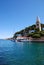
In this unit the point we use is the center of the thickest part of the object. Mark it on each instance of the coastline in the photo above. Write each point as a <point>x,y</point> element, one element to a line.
<point>36,39</point>
<point>30,39</point>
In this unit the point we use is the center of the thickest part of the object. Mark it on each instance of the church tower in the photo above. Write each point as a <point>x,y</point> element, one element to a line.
<point>38,24</point>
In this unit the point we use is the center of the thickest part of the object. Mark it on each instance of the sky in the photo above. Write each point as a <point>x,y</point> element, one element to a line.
<point>15,15</point>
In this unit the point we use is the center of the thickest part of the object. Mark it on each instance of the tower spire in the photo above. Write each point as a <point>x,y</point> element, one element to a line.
<point>38,19</point>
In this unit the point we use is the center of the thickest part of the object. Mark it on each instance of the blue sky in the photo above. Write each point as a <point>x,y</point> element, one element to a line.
<point>18,14</point>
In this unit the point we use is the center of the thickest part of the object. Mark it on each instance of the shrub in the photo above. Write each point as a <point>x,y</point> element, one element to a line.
<point>42,33</point>
<point>36,36</point>
<point>30,34</point>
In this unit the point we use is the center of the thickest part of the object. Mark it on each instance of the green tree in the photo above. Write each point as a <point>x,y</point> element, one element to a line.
<point>42,33</point>
<point>36,36</point>
<point>30,35</point>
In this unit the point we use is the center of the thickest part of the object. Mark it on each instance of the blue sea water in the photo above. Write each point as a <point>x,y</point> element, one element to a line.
<point>21,53</point>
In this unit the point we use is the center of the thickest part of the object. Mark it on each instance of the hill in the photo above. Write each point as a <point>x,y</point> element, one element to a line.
<point>30,31</point>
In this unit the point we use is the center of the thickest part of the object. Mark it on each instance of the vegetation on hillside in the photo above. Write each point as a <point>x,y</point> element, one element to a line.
<point>26,32</point>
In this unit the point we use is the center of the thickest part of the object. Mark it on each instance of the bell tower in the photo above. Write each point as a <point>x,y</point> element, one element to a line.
<point>38,24</point>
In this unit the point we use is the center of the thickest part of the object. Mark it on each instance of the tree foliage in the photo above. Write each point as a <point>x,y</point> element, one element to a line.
<point>36,36</point>
<point>25,31</point>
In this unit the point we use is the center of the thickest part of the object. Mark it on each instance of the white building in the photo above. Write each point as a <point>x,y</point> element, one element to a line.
<point>38,24</point>
<point>30,31</point>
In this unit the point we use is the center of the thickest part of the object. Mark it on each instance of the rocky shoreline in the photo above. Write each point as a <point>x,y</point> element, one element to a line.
<point>36,39</point>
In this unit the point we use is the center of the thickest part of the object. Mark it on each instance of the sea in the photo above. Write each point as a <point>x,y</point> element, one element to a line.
<point>21,53</point>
